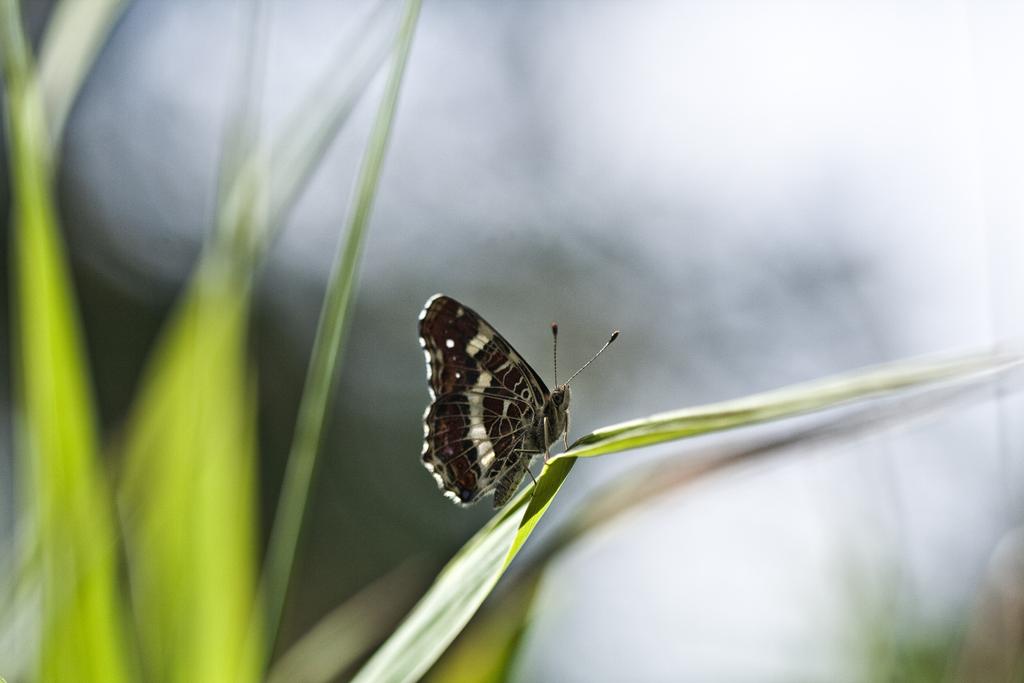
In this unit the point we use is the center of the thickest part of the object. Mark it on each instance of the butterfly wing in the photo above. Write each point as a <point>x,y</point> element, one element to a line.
<point>486,398</point>
<point>458,344</point>
<point>469,446</point>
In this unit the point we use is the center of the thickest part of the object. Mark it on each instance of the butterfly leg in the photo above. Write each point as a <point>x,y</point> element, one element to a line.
<point>527,458</point>
<point>547,441</point>
<point>533,478</point>
<point>565,434</point>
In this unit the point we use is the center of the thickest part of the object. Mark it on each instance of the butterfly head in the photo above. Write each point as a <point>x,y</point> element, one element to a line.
<point>560,397</point>
<point>556,414</point>
<point>557,410</point>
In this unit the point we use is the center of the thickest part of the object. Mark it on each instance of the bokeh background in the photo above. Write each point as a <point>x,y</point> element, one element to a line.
<point>754,193</point>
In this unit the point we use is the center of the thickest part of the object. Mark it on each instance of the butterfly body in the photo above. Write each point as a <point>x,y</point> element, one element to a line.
<point>544,431</point>
<point>491,413</point>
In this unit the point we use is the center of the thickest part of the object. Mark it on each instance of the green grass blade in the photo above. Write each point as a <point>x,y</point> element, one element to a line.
<point>75,33</point>
<point>67,506</point>
<point>453,598</point>
<point>329,338</point>
<point>652,480</point>
<point>548,484</point>
<point>187,492</point>
<point>786,402</point>
<point>486,652</point>
<point>469,577</point>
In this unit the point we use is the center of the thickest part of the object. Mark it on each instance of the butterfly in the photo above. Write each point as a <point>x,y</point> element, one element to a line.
<point>490,413</point>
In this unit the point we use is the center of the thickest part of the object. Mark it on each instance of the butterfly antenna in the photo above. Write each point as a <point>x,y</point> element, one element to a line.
<point>615,335</point>
<point>554,333</point>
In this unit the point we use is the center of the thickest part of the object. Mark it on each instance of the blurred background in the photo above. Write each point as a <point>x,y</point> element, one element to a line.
<point>756,194</point>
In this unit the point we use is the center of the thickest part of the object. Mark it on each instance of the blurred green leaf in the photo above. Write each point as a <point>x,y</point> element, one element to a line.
<point>327,344</point>
<point>470,576</point>
<point>67,509</point>
<point>75,33</point>
<point>187,492</point>
<point>346,633</point>
<point>282,169</point>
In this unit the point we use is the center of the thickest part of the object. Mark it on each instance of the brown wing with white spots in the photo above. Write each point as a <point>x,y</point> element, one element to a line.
<point>485,399</point>
<point>458,344</point>
<point>472,439</point>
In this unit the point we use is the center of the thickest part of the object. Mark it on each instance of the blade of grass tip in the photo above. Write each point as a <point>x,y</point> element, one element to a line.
<point>788,401</point>
<point>329,338</point>
<point>651,481</point>
<point>75,34</point>
<point>67,502</point>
